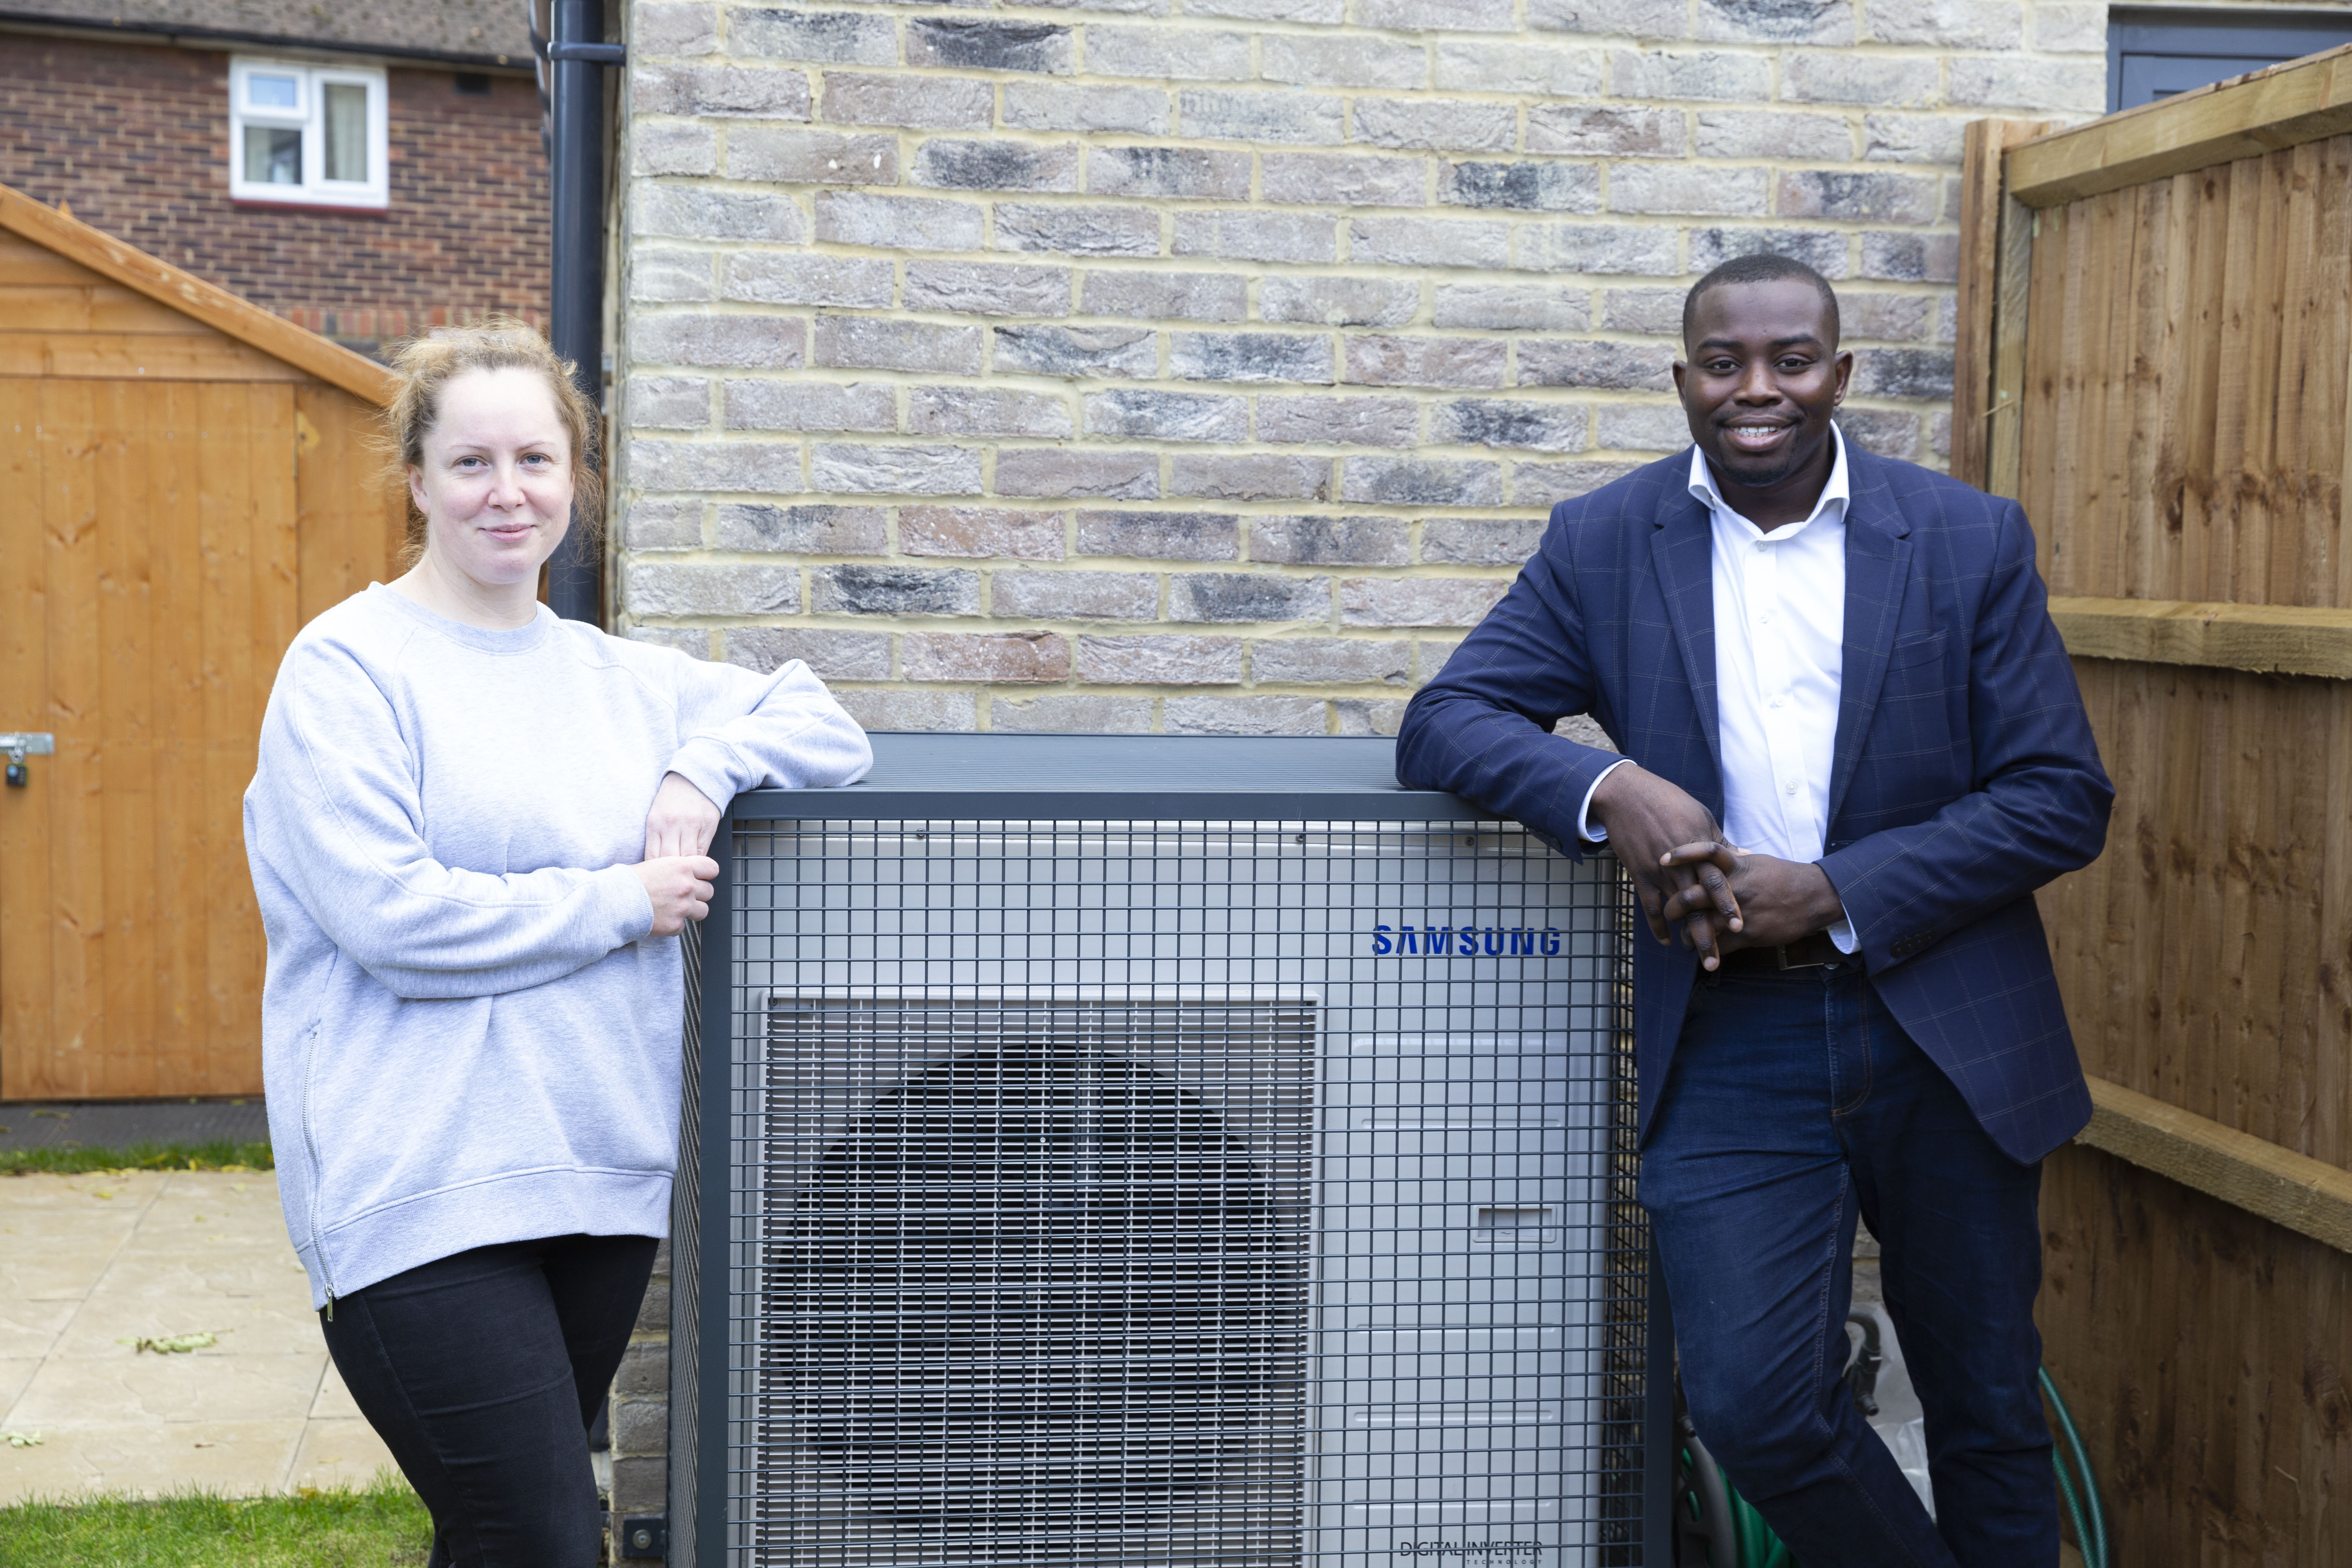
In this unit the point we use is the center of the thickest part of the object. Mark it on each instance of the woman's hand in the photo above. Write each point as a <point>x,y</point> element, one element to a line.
<point>680,887</point>
<point>681,823</point>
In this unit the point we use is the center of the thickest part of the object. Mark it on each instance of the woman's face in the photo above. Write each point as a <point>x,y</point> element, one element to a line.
<point>495,486</point>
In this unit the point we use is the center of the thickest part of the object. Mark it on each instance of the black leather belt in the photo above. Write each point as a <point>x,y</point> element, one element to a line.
<point>1805,952</point>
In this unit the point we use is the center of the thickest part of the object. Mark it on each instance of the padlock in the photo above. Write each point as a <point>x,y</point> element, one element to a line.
<point>18,774</point>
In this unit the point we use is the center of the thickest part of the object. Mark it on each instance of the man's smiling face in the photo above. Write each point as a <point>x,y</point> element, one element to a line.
<point>1763,377</point>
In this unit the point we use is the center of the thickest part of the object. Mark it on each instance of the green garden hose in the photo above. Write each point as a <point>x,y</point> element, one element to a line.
<point>2093,1541</point>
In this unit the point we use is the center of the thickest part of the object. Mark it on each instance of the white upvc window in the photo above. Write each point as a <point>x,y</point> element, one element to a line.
<point>306,135</point>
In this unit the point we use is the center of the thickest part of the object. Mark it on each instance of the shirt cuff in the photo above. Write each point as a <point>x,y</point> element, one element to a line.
<point>1584,828</point>
<point>1841,936</point>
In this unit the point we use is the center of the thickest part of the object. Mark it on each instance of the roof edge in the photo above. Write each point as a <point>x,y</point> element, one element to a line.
<point>138,31</point>
<point>184,292</point>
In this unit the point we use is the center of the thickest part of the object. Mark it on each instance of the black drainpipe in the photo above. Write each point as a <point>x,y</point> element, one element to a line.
<point>572,75</point>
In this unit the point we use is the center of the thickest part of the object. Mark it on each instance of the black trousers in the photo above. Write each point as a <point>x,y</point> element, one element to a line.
<point>482,1372</point>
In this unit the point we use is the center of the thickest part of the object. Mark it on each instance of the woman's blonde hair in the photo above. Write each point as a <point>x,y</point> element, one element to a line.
<point>426,365</point>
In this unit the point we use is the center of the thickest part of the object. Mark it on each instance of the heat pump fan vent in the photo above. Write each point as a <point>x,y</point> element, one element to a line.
<point>1035,1275</point>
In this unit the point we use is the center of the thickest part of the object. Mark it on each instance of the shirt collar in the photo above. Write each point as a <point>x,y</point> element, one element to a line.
<point>1834,494</point>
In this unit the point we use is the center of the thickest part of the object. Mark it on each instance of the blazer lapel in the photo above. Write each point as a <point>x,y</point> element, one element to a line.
<point>1682,546</point>
<point>1877,567</point>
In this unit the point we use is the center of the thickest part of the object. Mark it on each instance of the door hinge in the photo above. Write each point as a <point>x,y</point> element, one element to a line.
<point>643,1535</point>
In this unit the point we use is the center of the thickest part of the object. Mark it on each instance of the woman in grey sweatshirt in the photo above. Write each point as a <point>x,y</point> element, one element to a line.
<point>475,832</point>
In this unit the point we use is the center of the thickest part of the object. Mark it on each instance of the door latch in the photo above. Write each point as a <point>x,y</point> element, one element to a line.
<point>20,744</point>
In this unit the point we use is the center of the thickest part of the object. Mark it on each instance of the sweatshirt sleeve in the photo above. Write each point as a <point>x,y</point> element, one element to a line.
<point>335,813</point>
<point>741,730</point>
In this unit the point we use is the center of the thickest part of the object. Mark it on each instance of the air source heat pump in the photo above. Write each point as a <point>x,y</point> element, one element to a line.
<point>1114,1152</point>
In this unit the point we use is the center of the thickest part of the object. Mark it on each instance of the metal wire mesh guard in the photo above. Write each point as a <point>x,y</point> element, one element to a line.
<point>1158,1192</point>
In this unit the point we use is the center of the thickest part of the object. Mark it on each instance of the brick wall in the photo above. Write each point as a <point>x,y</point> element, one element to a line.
<point>1208,365</point>
<point>136,138</point>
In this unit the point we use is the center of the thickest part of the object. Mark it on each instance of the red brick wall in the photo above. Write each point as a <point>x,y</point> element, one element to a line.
<point>135,138</point>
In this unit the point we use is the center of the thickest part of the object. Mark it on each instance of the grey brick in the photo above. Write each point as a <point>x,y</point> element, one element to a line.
<point>758,468</point>
<point>1071,714</point>
<point>805,530</point>
<point>1948,24</point>
<point>1426,361</point>
<point>1877,82</point>
<point>980,533</point>
<point>1365,717</point>
<point>933,711</point>
<point>1772,134</point>
<point>974,44</point>
<point>896,223</point>
<point>658,588</point>
<point>1702,74</point>
<point>1902,372</point>
<point>1221,114</point>
<point>825,38</point>
<point>2070,27</point>
<point>1539,307</point>
<point>1421,481</point>
<point>1339,421</point>
<point>1342,179</point>
<point>1491,422</point>
<point>985,410</point>
<point>656,30</point>
<point>746,91</point>
<point>1642,427</point>
<point>1160,661</point>
<point>1823,250</point>
<point>638,1484</point>
<point>1596,131</point>
<point>1167,415</point>
<point>1870,198</point>
<point>1161,535</point>
<point>1939,437</point>
<point>1076,596</point>
<point>799,277</point>
<point>1911,257</point>
<point>987,288</point>
<point>1658,310</point>
<point>1078,351</point>
<point>1078,230</point>
<point>1418,601</point>
<point>1243,716</point>
<point>1079,471</point>
<point>1597,363</point>
<point>1258,235</point>
<point>797,157</point>
<point>1340,301</point>
<point>662,525</point>
<point>952,164</point>
<point>1012,657</point>
<point>1437,16</point>
<point>1054,106</point>
<point>1519,65</point>
<point>808,406</point>
<point>1160,296</point>
<point>1776,21</point>
<point>1166,54</point>
<point>1585,731</point>
<point>639,1425</point>
<point>876,343</point>
<point>1251,476</point>
<point>1640,18</point>
<point>1331,661</point>
<point>918,102</point>
<point>1886,317</point>
<point>829,655</point>
<point>2039,87</point>
<point>692,211</point>
<point>1912,138</point>
<point>1326,12</point>
<point>1437,124</point>
<point>1533,187</point>
<point>658,147</point>
<point>1212,596</point>
<point>1249,356</point>
<point>846,470</point>
<point>1597,247</point>
<point>1887,432</point>
<point>670,276</point>
<point>692,641</point>
<point>1341,60</point>
<point>892,589</point>
<point>1480,541</point>
<point>768,342</point>
<point>1685,189</point>
<point>1330,540</point>
<point>1542,484</point>
<point>645,1368</point>
<point>1189,173</point>
<point>667,402</point>
<point>1429,241</point>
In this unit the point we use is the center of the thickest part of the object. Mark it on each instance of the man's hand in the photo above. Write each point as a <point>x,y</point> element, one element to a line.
<point>681,822</point>
<point>1646,818</point>
<point>1778,900</point>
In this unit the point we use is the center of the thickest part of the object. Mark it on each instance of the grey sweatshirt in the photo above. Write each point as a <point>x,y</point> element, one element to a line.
<point>468,1034</point>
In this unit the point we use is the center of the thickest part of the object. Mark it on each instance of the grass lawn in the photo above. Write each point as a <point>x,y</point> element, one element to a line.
<point>72,1160</point>
<point>382,1527</point>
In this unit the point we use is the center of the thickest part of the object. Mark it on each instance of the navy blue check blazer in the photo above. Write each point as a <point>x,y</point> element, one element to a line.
<point>1964,777</point>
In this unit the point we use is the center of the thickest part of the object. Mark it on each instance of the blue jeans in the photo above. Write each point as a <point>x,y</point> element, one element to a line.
<point>1795,1099</point>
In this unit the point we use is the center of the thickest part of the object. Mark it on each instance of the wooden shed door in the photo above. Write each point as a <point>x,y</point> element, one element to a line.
<point>148,586</point>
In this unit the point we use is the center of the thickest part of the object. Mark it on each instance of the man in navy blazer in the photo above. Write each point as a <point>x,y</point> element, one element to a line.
<point>1850,746</point>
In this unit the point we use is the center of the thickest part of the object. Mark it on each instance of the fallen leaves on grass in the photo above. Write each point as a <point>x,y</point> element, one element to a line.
<point>174,1344</point>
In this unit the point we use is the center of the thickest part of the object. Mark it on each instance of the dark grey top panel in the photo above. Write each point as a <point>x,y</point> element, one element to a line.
<point>1132,778</point>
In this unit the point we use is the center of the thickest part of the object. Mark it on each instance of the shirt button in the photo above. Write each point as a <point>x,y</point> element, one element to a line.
<point>1775,702</point>
<point>1789,788</point>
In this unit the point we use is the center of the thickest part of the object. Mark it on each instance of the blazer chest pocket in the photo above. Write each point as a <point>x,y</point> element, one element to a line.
<point>1927,649</point>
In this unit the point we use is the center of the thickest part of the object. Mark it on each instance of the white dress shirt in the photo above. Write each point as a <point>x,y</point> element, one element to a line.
<point>1779,639</point>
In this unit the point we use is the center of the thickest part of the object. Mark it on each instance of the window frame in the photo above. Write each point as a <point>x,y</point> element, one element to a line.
<point>2238,34</point>
<point>372,195</point>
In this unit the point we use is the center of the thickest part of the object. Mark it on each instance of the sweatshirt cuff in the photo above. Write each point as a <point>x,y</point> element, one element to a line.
<point>711,766</point>
<point>622,901</point>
